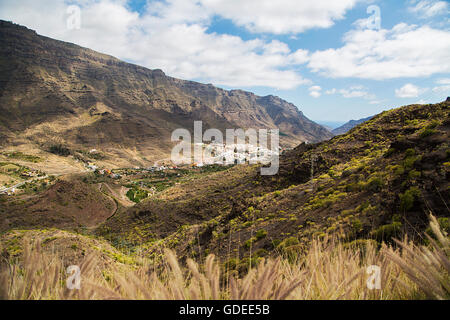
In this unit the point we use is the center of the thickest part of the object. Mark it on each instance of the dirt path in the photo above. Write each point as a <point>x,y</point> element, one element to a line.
<point>120,196</point>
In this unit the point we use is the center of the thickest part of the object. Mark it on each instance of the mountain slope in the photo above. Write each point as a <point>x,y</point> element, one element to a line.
<point>349,126</point>
<point>377,182</point>
<point>55,92</point>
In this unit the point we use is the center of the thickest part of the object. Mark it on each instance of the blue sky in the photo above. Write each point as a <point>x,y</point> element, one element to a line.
<point>336,60</point>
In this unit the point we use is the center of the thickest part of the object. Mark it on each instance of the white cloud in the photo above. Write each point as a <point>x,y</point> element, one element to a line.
<point>409,91</point>
<point>315,94</point>
<point>281,16</point>
<point>174,36</point>
<point>353,92</point>
<point>428,8</point>
<point>443,88</point>
<point>315,88</point>
<point>315,91</point>
<point>171,35</point>
<point>443,81</point>
<point>403,51</point>
<point>422,101</point>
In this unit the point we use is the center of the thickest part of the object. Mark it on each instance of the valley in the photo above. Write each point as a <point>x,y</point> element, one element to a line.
<point>86,178</point>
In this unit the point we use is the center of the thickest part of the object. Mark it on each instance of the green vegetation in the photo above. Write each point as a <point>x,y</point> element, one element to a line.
<point>60,150</point>
<point>91,155</point>
<point>261,234</point>
<point>387,232</point>
<point>136,194</point>
<point>21,156</point>
<point>374,184</point>
<point>408,198</point>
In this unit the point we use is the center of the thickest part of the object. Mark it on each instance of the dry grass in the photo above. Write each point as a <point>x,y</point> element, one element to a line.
<point>427,267</point>
<point>330,270</point>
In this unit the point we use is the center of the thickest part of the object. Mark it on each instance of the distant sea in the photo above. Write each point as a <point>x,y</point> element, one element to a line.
<point>330,124</point>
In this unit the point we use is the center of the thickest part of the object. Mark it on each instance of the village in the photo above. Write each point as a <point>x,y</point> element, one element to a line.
<point>144,180</point>
<point>213,154</point>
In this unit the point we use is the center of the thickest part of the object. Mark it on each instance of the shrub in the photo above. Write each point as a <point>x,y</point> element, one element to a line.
<point>137,195</point>
<point>357,225</point>
<point>369,210</point>
<point>399,170</point>
<point>408,198</point>
<point>414,174</point>
<point>248,243</point>
<point>409,162</point>
<point>60,150</point>
<point>261,234</point>
<point>261,253</point>
<point>410,152</point>
<point>361,244</point>
<point>374,184</point>
<point>390,152</point>
<point>352,187</point>
<point>288,242</point>
<point>427,132</point>
<point>231,264</point>
<point>387,232</point>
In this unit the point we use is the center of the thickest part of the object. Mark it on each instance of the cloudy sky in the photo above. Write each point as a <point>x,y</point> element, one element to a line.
<point>336,60</point>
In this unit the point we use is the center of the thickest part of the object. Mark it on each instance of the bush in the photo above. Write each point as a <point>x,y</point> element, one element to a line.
<point>409,162</point>
<point>390,152</point>
<point>387,232</point>
<point>261,253</point>
<point>410,152</point>
<point>427,132</point>
<point>288,242</point>
<point>261,234</point>
<point>361,244</point>
<point>60,150</point>
<point>357,225</point>
<point>231,264</point>
<point>408,198</point>
<point>399,170</point>
<point>414,174</point>
<point>374,184</point>
<point>249,242</point>
<point>137,195</point>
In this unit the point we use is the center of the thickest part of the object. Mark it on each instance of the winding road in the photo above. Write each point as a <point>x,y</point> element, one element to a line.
<point>22,183</point>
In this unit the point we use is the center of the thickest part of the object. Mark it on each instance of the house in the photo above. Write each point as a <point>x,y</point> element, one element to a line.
<point>92,167</point>
<point>11,191</point>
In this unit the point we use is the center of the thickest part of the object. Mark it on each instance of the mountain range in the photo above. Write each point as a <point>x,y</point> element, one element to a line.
<point>57,93</point>
<point>349,125</point>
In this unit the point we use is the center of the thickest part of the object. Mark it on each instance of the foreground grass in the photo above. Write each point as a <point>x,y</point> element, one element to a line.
<point>329,270</point>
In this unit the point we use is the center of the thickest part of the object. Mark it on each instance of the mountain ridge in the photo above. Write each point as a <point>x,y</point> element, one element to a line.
<point>50,88</point>
<point>349,125</point>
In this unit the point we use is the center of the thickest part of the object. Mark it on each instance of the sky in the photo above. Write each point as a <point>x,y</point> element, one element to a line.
<point>335,60</point>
